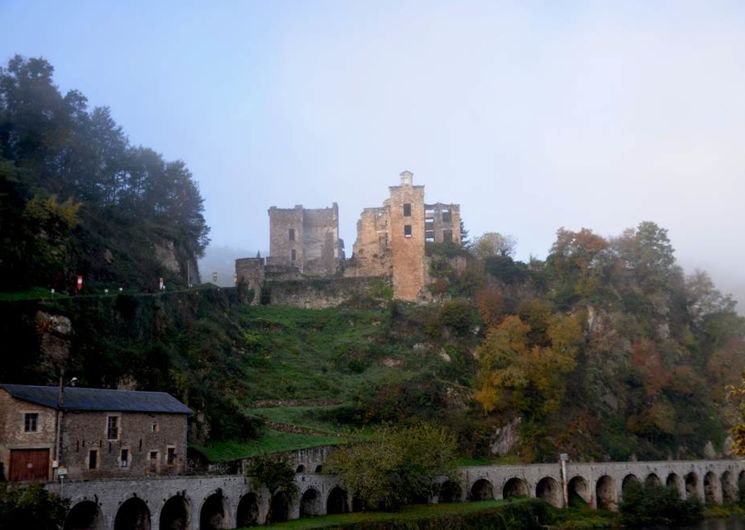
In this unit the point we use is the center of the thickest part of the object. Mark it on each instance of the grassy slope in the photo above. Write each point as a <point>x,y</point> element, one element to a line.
<point>296,355</point>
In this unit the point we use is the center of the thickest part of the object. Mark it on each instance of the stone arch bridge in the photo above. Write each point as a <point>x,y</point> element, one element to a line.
<point>217,502</point>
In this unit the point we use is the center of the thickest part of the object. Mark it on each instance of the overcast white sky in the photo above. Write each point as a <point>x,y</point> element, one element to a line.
<point>531,115</point>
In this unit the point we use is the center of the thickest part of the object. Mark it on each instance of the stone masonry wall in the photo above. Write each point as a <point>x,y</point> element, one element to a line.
<point>12,435</point>
<point>305,238</point>
<point>251,272</point>
<point>407,249</point>
<point>281,221</point>
<point>317,293</point>
<point>139,433</point>
<point>372,253</point>
<point>440,219</point>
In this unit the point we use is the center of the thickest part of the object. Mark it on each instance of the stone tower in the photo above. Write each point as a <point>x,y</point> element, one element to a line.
<point>406,233</point>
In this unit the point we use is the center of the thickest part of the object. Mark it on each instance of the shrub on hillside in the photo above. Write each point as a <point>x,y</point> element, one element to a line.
<point>657,505</point>
<point>30,507</point>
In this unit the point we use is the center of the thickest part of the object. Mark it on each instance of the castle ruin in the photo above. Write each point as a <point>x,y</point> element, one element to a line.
<point>390,246</point>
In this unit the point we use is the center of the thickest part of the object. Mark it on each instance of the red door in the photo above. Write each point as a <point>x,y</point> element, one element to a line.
<point>29,464</point>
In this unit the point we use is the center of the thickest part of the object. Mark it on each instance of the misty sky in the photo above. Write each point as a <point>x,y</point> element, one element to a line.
<point>531,115</point>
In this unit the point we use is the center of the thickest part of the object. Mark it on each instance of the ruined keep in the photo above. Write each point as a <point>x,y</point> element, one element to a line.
<point>306,239</point>
<point>390,246</point>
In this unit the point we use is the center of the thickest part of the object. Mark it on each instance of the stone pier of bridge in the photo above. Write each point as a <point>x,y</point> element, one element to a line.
<point>230,501</point>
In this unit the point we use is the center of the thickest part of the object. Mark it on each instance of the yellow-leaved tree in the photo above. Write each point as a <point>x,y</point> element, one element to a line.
<point>520,370</point>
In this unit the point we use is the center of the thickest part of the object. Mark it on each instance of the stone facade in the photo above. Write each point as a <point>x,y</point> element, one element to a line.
<point>95,443</point>
<point>14,436</point>
<point>305,238</point>
<point>390,244</point>
<point>145,444</point>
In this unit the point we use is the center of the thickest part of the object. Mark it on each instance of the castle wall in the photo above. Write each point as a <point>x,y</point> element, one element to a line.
<point>286,234</point>
<point>251,272</point>
<point>372,253</point>
<point>305,238</point>
<point>318,293</point>
<point>442,223</point>
<point>320,240</point>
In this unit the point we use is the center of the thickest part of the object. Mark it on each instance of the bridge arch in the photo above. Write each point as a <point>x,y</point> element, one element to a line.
<point>279,508</point>
<point>310,503</point>
<point>214,512</point>
<point>652,480</point>
<point>712,492</point>
<point>482,490</point>
<point>85,515</point>
<point>674,481</point>
<point>691,485</point>
<point>605,493</point>
<point>515,487</point>
<point>450,491</point>
<point>729,492</point>
<point>133,514</point>
<point>549,490</point>
<point>337,501</point>
<point>628,481</point>
<point>578,487</point>
<point>175,514</point>
<point>247,513</point>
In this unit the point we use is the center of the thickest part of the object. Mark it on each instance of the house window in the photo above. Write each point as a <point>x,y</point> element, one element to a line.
<point>171,456</point>
<point>31,422</point>
<point>293,254</point>
<point>292,234</point>
<point>93,459</point>
<point>153,460</point>
<point>154,427</point>
<point>407,210</point>
<point>447,236</point>
<point>447,216</point>
<point>407,230</point>
<point>112,428</point>
<point>124,458</point>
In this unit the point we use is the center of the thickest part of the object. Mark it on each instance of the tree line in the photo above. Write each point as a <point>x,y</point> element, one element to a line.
<point>77,198</point>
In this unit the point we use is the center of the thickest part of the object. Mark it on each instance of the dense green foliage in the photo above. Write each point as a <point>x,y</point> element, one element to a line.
<point>77,198</point>
<point>182,343</point>
<point>273,472</point>
<point>648,376</point>
<point>650,504</point>
<point>398,467</point>
<point>30,507</point>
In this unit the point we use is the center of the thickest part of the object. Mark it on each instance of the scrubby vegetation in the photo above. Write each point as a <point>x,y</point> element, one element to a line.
<point>30,507</point>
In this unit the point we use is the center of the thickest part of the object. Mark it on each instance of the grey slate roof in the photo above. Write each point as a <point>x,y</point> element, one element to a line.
<point>99,399</point>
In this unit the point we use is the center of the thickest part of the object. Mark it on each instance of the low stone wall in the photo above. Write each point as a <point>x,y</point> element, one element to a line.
<point>319,293</point>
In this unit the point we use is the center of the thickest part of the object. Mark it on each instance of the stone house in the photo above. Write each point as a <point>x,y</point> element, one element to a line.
<point>97,433</point>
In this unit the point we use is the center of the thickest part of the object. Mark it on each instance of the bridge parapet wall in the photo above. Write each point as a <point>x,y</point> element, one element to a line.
<point>231,501</point>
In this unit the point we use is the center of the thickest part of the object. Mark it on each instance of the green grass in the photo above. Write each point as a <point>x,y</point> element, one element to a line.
<point>270,442</point>
<point>302,417</point>
<point>327,354</point>
<point>408,513</point>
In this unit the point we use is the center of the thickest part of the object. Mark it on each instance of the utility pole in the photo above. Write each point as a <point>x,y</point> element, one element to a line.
<point>564,485</point>
<point>59,418</point>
